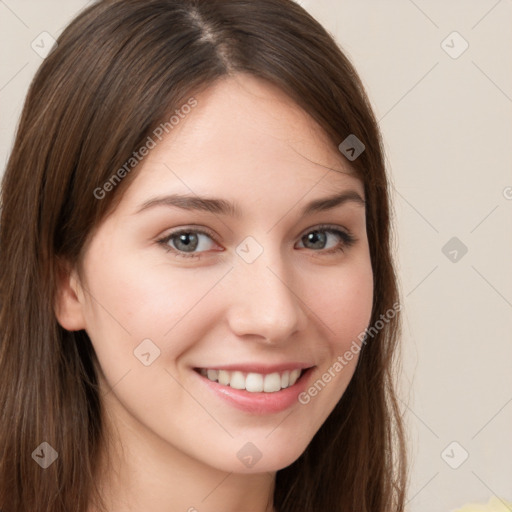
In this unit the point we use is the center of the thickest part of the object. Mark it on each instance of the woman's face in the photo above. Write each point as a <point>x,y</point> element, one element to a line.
<point>170,289</point>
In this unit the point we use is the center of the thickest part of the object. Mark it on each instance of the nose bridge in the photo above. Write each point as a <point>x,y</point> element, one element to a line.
<point>265,302</point>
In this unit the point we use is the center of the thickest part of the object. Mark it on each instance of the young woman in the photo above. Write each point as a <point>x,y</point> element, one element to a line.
<point>199,310</point>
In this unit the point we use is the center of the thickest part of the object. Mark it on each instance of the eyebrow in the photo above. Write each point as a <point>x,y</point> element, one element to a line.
<point>224,207</point>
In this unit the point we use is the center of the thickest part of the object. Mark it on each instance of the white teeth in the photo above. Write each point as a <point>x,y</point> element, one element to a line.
<point>253,382</point>
<point>237,380</point>
<point>294,375</point>
<point>272,382</point>
<point>224,377</point>
<point>212,374</point>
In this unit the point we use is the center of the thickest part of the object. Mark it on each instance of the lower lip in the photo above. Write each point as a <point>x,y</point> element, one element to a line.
<point>259,403</point>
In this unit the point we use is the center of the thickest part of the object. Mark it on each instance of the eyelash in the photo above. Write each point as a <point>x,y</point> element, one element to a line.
<point>348,240</point>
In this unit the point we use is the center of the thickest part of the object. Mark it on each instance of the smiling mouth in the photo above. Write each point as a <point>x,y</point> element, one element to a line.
<point>253,382</point>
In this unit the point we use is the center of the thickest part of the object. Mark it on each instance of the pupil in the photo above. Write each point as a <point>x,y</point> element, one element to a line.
<point>315,236</point>
<point>188,244</point>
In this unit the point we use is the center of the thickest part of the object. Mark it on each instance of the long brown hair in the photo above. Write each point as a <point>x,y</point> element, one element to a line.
<point>117,71</point>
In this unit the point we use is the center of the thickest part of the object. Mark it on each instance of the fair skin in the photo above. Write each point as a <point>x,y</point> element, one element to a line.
<point>248,143</point>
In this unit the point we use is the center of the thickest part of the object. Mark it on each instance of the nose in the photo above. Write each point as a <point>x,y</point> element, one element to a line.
<point>264,301</point>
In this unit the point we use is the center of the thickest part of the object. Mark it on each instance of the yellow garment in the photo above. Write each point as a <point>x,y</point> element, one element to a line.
<point>495,505</point>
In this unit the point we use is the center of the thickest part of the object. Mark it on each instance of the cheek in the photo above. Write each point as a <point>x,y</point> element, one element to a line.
<point>136,300</point>
<point>346,305</point>
<point>343,301</point>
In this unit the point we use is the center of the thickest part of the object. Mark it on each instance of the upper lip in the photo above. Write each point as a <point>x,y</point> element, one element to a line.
<point>258,368</point>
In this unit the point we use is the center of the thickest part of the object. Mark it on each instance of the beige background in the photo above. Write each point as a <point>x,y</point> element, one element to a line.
<point>447,127</point>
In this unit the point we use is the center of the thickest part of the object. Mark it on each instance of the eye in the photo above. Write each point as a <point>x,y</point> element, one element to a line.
<point>319,239</point>
<point>184,242</point>
<point>190,243</point>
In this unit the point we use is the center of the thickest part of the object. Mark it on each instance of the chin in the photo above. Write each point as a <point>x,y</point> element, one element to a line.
<point>266,455</point>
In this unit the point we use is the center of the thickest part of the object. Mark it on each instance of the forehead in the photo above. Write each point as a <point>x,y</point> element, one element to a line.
<point>247,137</point>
